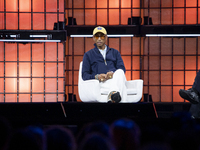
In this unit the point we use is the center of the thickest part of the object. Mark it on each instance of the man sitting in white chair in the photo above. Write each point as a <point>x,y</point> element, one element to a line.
<point>106,65</point>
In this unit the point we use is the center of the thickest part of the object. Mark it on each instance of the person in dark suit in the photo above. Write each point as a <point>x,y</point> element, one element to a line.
<point>193,96</point>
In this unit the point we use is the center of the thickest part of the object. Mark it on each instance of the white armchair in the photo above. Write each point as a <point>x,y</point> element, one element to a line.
<point>90,91</point>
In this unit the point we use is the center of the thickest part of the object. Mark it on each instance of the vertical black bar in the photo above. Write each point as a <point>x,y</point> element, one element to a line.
<point>72,56</point>
<point>18,12</point>
<point>172,68</point>
<point>160,42</point>
<point>120,9</point>
<point>107,12</point>
<point>172,12</point>
<point>148,7</point>
<point>148,65</point>
<point>160,12</point>
<point>31,85</point>
<point>4,87</point>
<point>57,14</point>
<point>197,54</point>
<point>17,72</point>
<point>4,14</point>
<point>184,65</point>
<point>57,71</point>
<point>68,66</point>
<point>72,11</point>
<point>45,13</point>
<point>197,12</point>
<point>44,71</point>
<point>148,53</point>
<point>84,12</point>
<point>141,57</point>
<point>31,14</point>
<point>64,53</point>
<point>131,50</point>
<point>172,50</point>
<point>184,12</point>
<point>160,57</point>
<point>64,10</point>
<point>131,9</point>
<point>72,68</point>
<point>131,57</point>
<point>95,12</point>
<point>58,10</point>
<point>141,7</point>
<point>64,47</point>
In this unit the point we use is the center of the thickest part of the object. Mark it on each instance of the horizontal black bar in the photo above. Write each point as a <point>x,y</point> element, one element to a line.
<point>117,29</point>
<point>26,34</point>
<point>170,29</point>
<point>136,30</point>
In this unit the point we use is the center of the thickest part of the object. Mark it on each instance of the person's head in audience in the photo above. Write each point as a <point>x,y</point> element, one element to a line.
<point>29,138</point>
<point>100,127</point>
<point>60,138</point>
<point>125,134</point>
<point>95,141</point>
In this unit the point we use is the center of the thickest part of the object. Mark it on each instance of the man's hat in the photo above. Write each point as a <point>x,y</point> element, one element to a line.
<point>99,29</point>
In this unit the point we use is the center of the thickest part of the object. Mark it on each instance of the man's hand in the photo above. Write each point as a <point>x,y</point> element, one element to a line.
<point>109,75</point>
<point>102,77</point>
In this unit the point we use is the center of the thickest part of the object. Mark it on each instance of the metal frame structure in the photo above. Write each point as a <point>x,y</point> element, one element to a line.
<point>32,36</point>
<point>160,30</point>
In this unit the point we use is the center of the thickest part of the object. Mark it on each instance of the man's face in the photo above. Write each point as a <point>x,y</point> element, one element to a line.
<point>100,39</point>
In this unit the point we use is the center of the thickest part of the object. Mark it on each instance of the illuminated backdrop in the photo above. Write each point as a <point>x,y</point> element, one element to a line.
<point>36,71</point>
<point>165,64</point>
<point>31,72</point>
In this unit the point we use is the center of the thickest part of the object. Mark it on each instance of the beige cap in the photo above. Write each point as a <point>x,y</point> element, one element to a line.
<point>99,29</point>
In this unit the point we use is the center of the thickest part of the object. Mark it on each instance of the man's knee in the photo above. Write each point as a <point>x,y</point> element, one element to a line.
<point>119,72</point>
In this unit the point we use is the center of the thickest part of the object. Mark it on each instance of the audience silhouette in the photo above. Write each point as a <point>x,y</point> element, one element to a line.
<point>181,133</point>
<point>125,134</point>
<point>99,127</point>
<point>31,138</point>
<point>96,141</point>
<point>60,138</point>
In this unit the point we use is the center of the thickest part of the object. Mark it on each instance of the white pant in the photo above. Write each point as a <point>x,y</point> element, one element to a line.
<point>117,83</point>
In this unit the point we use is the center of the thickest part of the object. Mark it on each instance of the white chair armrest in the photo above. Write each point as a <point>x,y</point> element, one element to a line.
<point>134,83</point>
<point>89,91</point>
<point>138,85</point>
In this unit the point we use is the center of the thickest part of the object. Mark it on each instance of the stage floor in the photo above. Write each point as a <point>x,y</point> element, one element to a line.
<point>77,113</point>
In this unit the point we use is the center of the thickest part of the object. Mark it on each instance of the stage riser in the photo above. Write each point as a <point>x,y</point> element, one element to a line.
<point>75,113</point>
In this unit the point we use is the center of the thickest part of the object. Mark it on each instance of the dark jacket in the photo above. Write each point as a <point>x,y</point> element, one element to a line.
<point>93,62</point>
